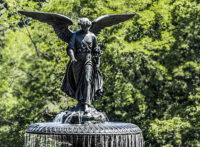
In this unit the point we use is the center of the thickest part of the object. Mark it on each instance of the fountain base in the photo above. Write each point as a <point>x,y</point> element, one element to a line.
<point>108,134</point>
<point>83,129</point>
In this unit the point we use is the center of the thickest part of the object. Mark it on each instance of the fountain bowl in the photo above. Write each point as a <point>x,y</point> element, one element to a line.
<point>108,134</point>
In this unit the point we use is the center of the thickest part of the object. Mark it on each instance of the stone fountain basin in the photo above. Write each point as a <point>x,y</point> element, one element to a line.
<point>100,134</point>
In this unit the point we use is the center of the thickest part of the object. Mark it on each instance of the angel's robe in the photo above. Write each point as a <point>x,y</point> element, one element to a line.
<point>82,81</point>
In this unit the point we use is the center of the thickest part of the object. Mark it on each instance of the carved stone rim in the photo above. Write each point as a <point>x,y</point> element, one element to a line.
<point>107,128</point>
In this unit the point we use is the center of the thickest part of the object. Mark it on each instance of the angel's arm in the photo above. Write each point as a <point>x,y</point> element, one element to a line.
<point>96,52</point>
<point>71,48</point>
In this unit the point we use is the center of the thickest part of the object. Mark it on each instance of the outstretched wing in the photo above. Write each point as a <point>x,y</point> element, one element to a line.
<point>59,22</point>
<point>109,20</point>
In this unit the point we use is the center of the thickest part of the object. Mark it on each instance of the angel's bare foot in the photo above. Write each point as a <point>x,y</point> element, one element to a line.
<point>86,108</point>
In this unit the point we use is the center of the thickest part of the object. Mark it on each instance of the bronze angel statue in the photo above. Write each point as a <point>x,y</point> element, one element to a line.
<point>83,80</point>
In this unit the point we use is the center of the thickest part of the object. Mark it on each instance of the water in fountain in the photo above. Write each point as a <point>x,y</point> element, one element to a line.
<point>40,140</point>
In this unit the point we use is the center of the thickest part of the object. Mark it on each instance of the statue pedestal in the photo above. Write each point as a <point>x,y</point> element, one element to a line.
<point>78,116</point>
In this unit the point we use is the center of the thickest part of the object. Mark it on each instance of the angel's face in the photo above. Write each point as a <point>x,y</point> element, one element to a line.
<point>84,28</point>
<point>85,24</point>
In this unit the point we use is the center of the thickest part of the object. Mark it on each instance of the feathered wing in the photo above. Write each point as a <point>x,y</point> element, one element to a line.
<point>109,20</point>
<point>59,22</point>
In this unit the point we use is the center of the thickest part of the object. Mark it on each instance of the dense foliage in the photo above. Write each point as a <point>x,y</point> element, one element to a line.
<point>151,67</point>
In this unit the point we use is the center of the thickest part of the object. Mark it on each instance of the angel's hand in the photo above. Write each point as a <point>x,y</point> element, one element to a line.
<point>73,60</point>
<point>96,68</point>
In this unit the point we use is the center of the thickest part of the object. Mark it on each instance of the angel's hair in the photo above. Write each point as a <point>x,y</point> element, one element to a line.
<point>84,22</point>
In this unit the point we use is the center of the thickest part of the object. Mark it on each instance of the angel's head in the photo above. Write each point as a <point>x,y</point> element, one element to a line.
<point>85,23</point>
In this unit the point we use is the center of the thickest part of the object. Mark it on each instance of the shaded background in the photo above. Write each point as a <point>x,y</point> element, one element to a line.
<point>150,64</point>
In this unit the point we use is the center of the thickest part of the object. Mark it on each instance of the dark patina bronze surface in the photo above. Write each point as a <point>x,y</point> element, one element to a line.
<point>83,80</point>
